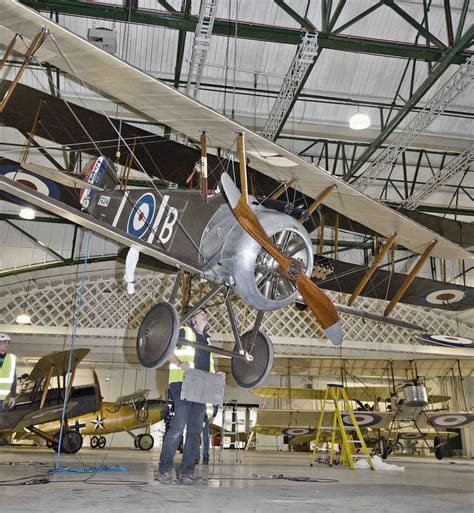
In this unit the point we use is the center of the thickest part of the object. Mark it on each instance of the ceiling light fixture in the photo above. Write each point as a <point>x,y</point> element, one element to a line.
<point>359,121</point>
<point>27,213</point>
<point>24,318</point>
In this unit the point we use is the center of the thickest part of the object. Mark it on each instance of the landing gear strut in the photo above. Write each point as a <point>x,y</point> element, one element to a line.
<point>158,336</point>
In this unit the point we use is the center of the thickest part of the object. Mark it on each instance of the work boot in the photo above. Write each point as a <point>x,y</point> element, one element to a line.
<point>205,461</point>
<point>193,479</point>
<point>196,461</point>
<point>165,477</point>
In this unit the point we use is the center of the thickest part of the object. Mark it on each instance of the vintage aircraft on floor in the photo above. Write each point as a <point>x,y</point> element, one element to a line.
<point>127,413</point>
<point>406,417</point>
<point>40,401</point>
<point>259,249</point>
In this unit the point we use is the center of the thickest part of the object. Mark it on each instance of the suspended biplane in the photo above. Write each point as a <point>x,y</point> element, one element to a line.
<point>48,395</point>
<point>126,414</point>
<point>260,249</point>
<point>405,418</point>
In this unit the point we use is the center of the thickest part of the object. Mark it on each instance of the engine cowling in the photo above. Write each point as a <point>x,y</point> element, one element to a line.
<point>246,267</point>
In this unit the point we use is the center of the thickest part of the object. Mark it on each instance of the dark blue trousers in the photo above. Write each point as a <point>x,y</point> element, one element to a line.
<point>189,415</point>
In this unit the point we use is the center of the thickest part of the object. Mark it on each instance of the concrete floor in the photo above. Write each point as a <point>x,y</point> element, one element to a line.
<point>426,485</point>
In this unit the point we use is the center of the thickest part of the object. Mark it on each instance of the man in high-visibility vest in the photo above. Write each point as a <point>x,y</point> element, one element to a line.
<point>7,372</point>
<point>187,414</point>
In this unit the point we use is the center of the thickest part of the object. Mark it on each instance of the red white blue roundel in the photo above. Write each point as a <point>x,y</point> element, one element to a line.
<point>441,297</point>
<point>445,340</point>
<point>35,182</point>
<point>362,419</point>
<point>296,431</point>
<point>446,420</point>
<point>410,436</point>
<point>141,215</point>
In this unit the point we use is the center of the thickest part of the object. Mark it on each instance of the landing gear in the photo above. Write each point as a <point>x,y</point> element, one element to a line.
<point>98,442</point>
<point>253,372</point>
<point>70,444</point>
<point>158,335</point>
<point>438,447</point>
<point>383,448</point>
<point>144,442</point>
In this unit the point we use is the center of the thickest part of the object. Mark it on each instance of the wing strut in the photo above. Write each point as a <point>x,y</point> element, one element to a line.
<point>36,43</point>
<point>9,51</point>
<point>321,197</point>
<point>372,269</point>
<point>409,278</point>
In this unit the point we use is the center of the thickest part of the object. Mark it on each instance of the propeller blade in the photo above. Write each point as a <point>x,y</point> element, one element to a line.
<point>321,306</point>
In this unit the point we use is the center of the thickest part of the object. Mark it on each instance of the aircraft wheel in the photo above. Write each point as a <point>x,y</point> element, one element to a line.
<point>94,442</point>
<point>438,448</point>
<point>70,443</point>
<point>254,373</point>
<point>145,442</point>
<point>101,442</point>
<point>135,442</point>
<point>383,448</point>
<point>157,335</point>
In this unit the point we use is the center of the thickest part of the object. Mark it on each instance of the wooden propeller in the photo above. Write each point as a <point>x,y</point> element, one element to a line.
<point>321,306</point>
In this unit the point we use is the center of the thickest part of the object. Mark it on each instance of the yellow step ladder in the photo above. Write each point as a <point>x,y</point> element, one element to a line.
<point>337,394</point>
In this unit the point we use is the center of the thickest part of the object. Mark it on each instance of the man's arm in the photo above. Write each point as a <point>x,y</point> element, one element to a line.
<point>12,398</point>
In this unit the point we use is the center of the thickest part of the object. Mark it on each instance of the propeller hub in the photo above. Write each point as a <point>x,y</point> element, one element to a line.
<point>295,269</point>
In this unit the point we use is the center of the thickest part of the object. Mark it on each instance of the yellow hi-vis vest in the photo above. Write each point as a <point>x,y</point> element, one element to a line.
<point>185,354</point>
<point>7,375</point>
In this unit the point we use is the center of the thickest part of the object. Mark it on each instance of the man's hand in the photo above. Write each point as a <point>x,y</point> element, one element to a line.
<point>184,366</point>
<point>11,402</point>
<point>220,373</point>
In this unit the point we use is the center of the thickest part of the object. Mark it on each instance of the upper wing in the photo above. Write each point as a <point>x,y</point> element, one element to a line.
<point>86,221</point>
<point>59,361</point>
<point>158,101</point>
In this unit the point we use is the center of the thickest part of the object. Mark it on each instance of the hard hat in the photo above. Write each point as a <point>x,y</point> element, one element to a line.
<point>5,338</point>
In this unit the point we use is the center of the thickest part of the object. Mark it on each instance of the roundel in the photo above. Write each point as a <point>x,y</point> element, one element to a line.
<point>445,340</point>
<point>410,436</point>
<point>297,431</point>
<point>37,183</point>
<point>451,419</point>
<point>441,297</point>
<point>362,419</point>
<point>141,215</point>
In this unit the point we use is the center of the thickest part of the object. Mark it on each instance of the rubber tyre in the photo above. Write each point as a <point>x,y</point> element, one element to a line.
<point>253,374</point>
<point>145,442</point>
<point>94,442</point>
<point>438,448</point>
<point>157,335</point>
<point>383,448</point>
<point>101,442</point>
<point>71,442</point>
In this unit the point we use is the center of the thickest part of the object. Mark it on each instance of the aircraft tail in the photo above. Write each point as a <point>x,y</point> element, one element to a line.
<point>101,173</point>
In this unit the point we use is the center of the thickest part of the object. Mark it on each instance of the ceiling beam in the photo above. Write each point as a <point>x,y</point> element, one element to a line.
<point>247,30</point>
<point>437,73</point>
<point>304,22</point>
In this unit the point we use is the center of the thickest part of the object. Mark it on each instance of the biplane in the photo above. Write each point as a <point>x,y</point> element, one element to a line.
<point>405,417</point>
<point>48,395</point>
<point>258,248</point>
<point>126,414</point>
